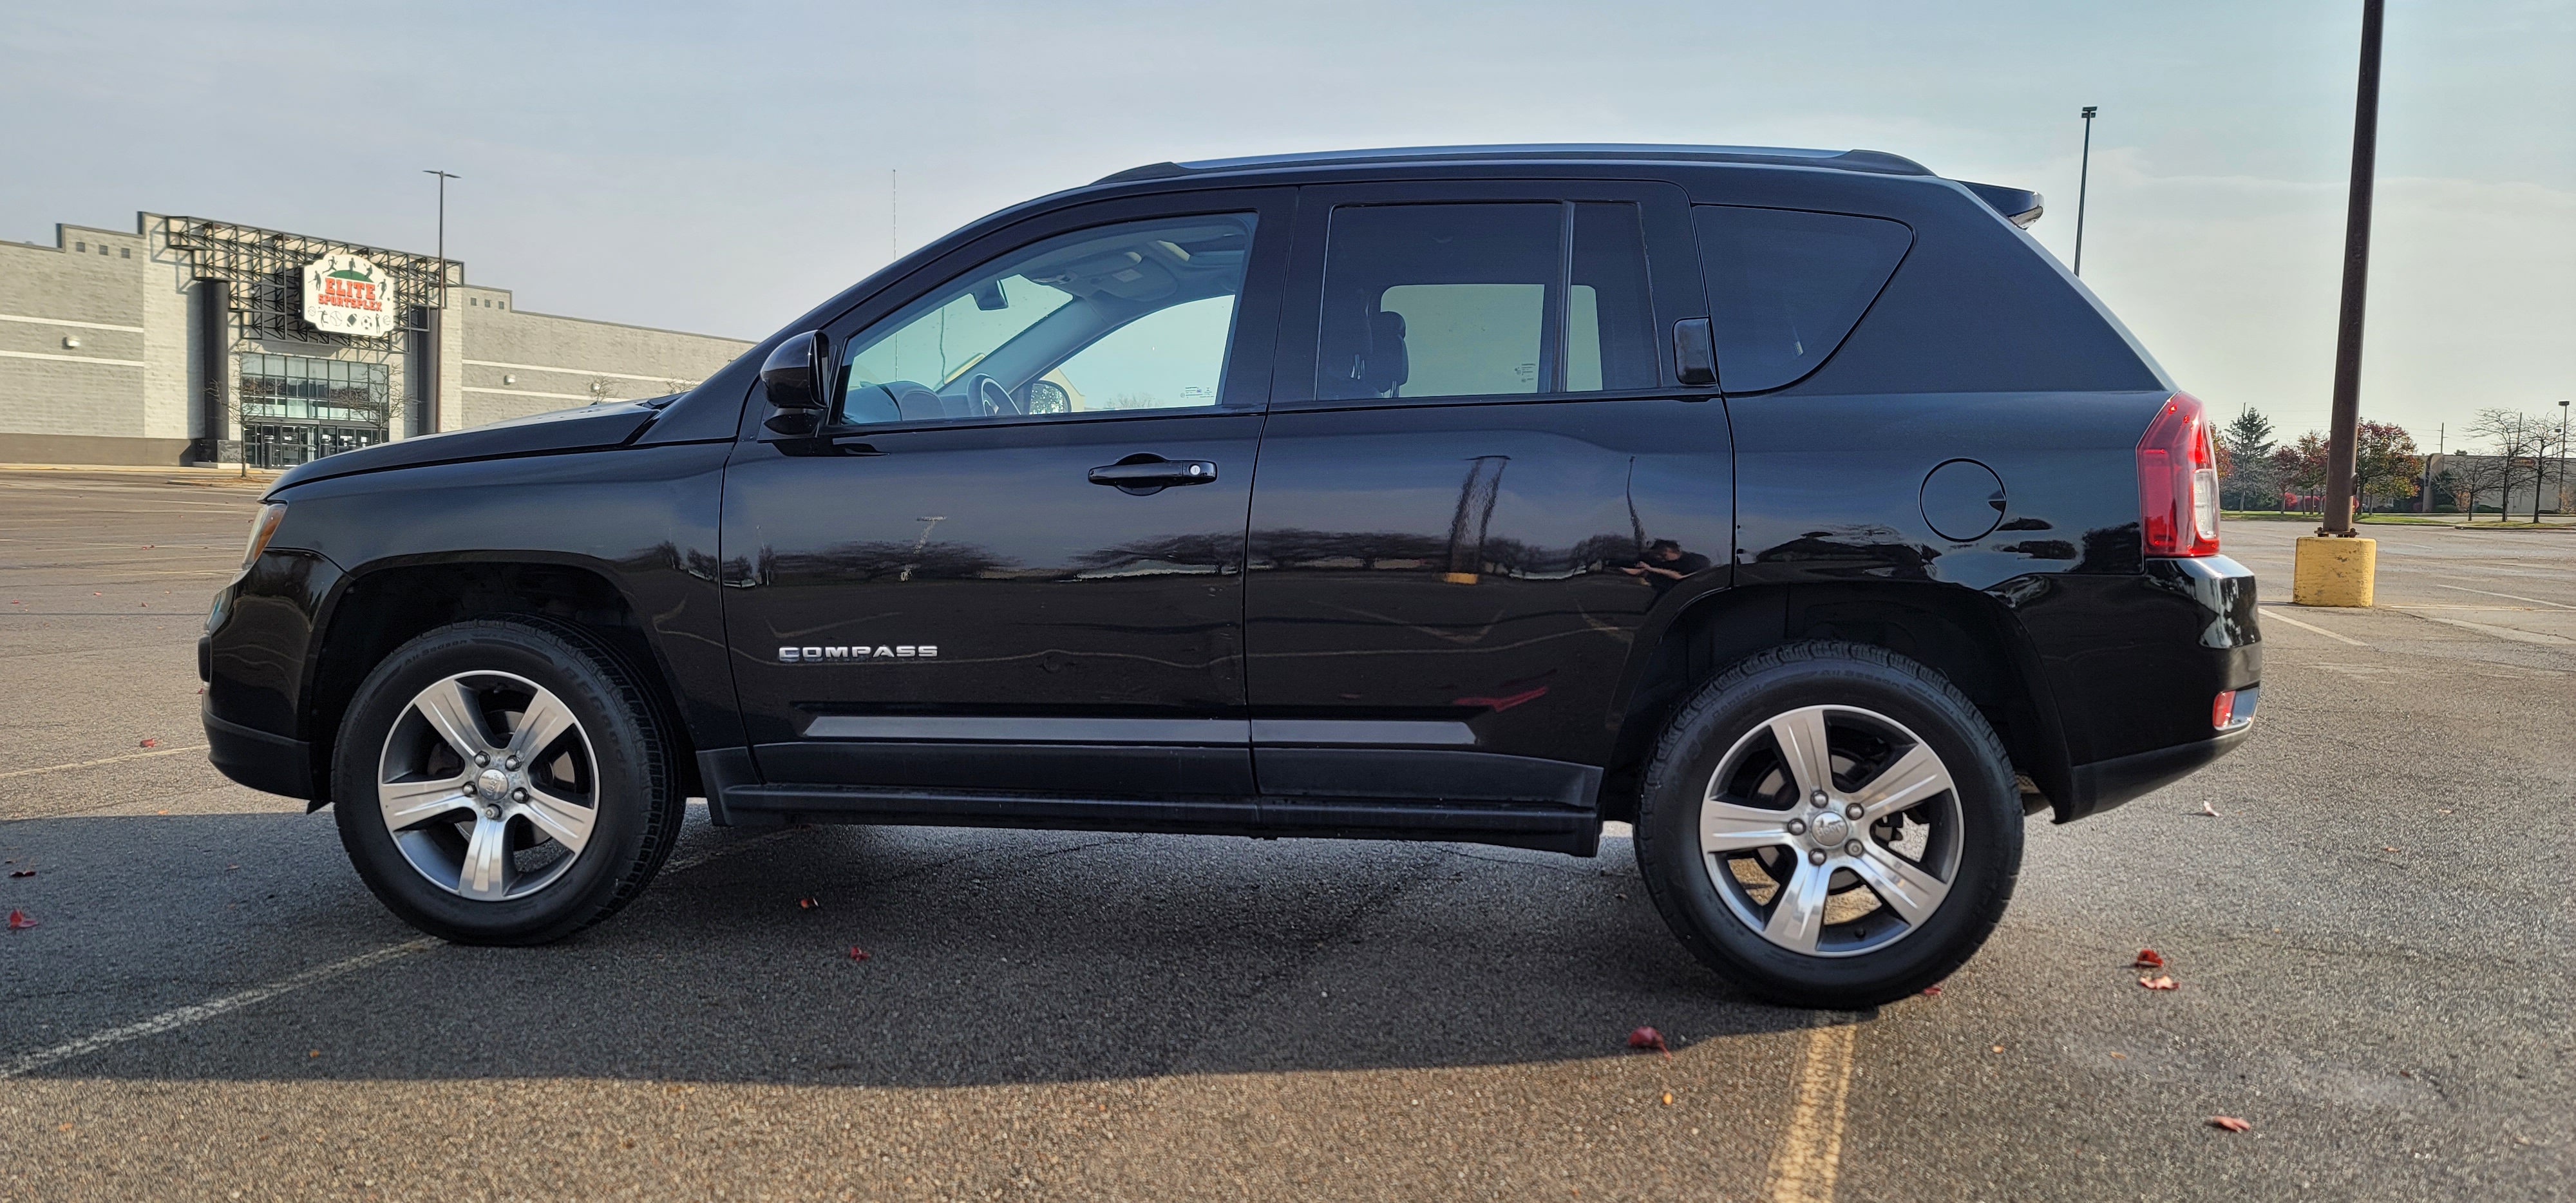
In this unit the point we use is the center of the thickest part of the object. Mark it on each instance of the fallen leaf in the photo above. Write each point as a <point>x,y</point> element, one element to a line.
<point>2386,848</point>
<point>2158,982</point>
<point>151,743</point>
<point>62,1127</point>
<point>857,953</point>
<point>806,904</point>
<point>1668,1098</point>
<point>1996,1049</point>
<point>2148,958</point>
<point>23,873</point>
<point>2209,812</point>
<point>313,1053</point>
<point>18,921</point>
<point>2229,1122</point>
<point>2119,1056</point>
<point>1649,1038</point>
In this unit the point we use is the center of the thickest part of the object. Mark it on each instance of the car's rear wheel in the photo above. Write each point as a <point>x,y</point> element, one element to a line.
<point>504,781</point>
<point>1831,825</point>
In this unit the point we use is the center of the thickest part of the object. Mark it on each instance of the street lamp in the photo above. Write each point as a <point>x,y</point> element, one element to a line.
<point>2083,182</point>
<point>2562,458</point>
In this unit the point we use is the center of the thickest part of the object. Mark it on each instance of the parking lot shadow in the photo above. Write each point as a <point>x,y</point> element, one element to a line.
<point>861,956</point>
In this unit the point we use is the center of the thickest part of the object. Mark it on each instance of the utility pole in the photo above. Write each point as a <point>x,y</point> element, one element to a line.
<point>2083,184</point>
<point>2325,574</point>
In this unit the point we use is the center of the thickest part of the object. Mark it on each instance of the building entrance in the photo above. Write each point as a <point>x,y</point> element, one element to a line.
<point>296,408</point>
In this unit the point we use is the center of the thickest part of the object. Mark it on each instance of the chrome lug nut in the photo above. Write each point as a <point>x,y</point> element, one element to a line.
<point>1797,827</point>
<point>511,763</point>
<point>1821,800</point>
<point>1816,857</point>
<point>518,795</point>
<point>480,759</point>
<point>1854,811</point>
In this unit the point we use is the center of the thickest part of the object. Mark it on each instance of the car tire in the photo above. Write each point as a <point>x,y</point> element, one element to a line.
<point>573,808</point>
<point>1914,844</point>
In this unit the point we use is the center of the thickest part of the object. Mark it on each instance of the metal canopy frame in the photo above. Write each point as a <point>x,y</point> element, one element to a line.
<point>264,298</point>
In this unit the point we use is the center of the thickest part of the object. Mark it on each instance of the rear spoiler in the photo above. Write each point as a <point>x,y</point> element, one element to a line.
<point>2018,207</point>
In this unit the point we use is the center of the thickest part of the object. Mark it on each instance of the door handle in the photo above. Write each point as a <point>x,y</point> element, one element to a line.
<point>1146,473</point>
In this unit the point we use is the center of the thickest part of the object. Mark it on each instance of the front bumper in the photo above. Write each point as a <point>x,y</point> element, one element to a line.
<point>271,763</point>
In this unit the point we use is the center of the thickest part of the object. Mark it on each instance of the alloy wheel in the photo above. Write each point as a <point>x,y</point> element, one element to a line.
<point>1831,830</point>
<point>488,786</point>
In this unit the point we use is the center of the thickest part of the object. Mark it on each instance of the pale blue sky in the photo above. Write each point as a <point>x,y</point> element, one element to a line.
<point>721,168</point>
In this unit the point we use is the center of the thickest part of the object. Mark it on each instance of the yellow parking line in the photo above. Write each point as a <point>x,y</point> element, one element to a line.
<point>1805,1164</point>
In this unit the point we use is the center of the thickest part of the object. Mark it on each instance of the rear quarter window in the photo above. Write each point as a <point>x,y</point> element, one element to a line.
<point>1785,287</point>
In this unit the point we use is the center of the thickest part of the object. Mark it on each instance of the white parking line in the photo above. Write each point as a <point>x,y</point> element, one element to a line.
<point>201,1012</point>
<point>84,764</point>
<point>2274,612</point>
<point>1809,1158</point>
<point>2511,596</point>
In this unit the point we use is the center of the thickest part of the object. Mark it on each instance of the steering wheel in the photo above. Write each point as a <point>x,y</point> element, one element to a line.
<point>990,397</point>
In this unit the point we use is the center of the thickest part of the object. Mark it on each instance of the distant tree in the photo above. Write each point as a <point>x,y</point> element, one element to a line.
<point>2301,469</point>
<point>2447,488</point>
<point>2524,443</point>
<point>2476,476</point>
<point>2245,449</point>
<point>2385,464</point>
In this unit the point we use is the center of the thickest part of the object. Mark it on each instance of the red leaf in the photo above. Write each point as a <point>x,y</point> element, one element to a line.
<point>18,921</point>
<point>2229,1122</point>
<point>857,953</point>
<point>2158,982</point>
<point>1648,1038</point>
<point>2147,959</point>
<point>151,743</point>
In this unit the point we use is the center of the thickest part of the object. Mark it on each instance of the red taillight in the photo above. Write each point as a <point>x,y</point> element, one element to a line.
<point>2178,482</point>
<point>2222,710</point>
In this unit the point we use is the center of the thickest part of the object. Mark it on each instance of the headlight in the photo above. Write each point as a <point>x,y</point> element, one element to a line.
<point>262,529</point>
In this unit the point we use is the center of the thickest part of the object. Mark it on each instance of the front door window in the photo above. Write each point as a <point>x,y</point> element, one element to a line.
<point>1113,319</point>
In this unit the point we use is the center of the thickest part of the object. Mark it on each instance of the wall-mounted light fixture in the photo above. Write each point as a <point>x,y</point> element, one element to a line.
<point>509,380</point>
<point>71,340</point>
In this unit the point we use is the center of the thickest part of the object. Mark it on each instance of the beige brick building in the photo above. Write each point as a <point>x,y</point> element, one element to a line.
<point>194,341</point>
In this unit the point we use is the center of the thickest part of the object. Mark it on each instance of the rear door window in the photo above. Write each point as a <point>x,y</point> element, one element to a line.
<point>1484,299</point>
<point>1785,287</point>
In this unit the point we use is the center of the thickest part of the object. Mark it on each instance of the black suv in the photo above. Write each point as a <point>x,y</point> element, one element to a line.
<point>1793,506</point>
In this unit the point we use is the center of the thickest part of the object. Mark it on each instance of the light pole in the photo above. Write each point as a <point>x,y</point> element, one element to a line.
<point>443,177</point>
<point>425,418</point>
<point>2083,183</point>
<point>2334,567</point>
<point>2562,457</point>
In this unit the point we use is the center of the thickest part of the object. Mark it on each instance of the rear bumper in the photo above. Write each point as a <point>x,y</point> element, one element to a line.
<point>271,763</point>
<point>2108,783</point>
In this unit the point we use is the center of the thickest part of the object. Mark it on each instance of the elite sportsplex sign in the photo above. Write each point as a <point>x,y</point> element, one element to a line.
<point>344,294</point>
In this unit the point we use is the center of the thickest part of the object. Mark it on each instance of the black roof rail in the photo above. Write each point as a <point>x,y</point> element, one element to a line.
<point>1874,161</point>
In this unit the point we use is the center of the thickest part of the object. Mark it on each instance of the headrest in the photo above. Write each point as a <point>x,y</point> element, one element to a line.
<point>1387,366</point>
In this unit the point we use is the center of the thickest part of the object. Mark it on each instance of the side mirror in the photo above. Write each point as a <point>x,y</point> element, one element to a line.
<point>1695,352</point>
<point>792,379</point>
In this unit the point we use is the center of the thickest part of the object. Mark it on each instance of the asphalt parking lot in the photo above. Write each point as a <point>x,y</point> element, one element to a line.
<point>2371,937</point>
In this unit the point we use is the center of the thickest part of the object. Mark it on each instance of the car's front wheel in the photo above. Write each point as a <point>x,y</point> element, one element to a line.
<point>504,781</point>
<point>1830,824</point>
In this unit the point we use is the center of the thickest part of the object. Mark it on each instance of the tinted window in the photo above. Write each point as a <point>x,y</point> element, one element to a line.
<point>1468,300</point>
<point>1785,287</point>
<point>1125,317</point>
